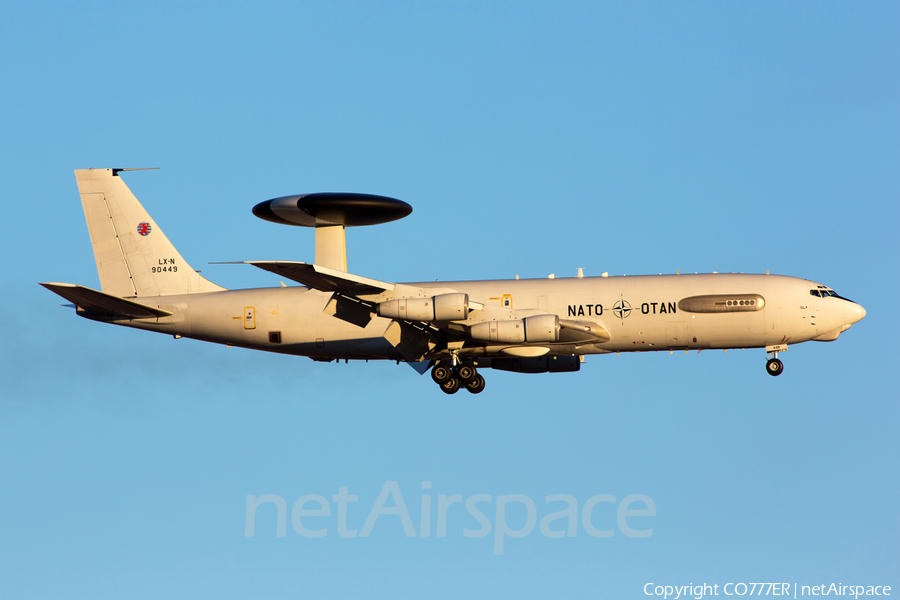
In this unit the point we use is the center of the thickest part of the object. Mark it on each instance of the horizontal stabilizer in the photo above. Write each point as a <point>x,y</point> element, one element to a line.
<point>322,278</point>
<point>95,302</point>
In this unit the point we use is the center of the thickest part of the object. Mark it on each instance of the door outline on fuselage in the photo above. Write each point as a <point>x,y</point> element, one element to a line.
<point>676,334</point>
<point>249,317</point>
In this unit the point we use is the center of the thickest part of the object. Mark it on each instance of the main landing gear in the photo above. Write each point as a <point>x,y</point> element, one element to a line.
<point>774,366</point>
<point>452,378</point>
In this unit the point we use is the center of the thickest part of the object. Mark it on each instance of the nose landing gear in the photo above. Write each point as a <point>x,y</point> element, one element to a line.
<point>774,366</point>
<point>457,375</point>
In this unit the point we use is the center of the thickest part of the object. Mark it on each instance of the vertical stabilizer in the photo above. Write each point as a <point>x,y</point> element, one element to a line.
<point>134,257</point>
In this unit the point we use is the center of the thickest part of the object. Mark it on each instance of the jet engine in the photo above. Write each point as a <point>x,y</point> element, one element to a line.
<point>539,328</point>
<point>443,307</point>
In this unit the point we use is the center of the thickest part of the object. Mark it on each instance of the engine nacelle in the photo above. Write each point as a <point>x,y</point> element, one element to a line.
<point>451,307</point>
<point>539,328</point>
<point>443,307</point>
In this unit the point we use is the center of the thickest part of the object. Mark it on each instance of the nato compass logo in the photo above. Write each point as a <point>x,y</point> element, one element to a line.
<point>621,309</point>
<point>144,229</point>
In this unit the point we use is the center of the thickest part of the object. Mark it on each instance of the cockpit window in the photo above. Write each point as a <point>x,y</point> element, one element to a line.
<point>824,293</point>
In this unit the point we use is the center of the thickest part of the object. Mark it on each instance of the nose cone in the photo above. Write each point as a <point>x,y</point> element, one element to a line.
<point>853,312</point>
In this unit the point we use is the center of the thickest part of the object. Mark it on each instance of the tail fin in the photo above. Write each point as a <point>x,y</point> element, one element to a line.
<point>134,257</point>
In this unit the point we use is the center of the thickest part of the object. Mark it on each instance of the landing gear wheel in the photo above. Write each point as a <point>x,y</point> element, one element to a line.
<point>466,373</point>
<point>476,386</point>
<point>441,374</point>
<point>774,367</point>
<point>451,386</point>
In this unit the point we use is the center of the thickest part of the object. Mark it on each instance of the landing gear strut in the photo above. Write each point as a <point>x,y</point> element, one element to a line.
<point>774,366</point>
<point>456,375</point>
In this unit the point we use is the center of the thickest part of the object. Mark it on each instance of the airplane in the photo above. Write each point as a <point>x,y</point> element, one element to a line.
<point>454,329</point>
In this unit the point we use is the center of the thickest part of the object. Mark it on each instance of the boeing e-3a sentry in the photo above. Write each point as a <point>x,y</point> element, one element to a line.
<point>456,328</point>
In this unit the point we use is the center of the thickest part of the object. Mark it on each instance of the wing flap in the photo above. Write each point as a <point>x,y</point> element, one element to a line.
<point>96,302</point>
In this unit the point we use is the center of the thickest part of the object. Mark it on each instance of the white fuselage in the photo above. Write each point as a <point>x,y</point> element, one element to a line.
<point>641,313</point>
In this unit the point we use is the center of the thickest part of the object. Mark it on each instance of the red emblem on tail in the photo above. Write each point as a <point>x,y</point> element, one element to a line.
<point>144,228</point>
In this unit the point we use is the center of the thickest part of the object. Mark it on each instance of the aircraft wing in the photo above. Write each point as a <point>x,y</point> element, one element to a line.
<point>96,302</point>
<point>322,278</point>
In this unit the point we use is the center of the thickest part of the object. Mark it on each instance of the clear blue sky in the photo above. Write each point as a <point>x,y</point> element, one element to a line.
<point>530,139</point>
